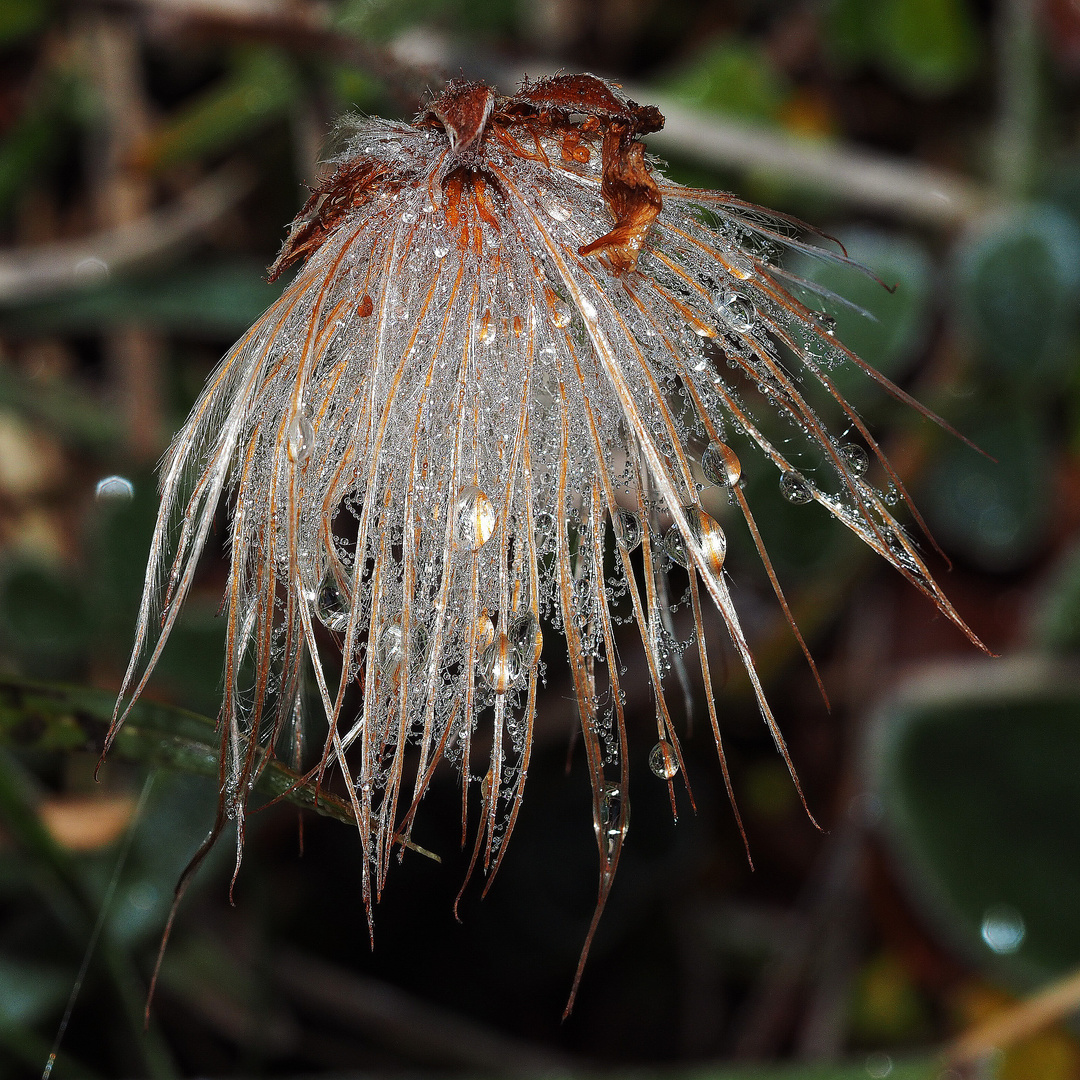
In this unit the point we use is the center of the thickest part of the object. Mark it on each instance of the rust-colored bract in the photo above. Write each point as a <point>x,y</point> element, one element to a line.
<point>481,420</point>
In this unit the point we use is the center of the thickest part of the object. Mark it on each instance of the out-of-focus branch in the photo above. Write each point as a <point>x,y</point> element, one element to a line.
<point>31,273</point>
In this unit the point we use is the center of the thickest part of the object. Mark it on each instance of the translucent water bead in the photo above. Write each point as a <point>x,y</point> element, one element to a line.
<point>500,666</point>
<point>854,457</point>
<point>662,760</point>
<point>721,465</point>
<point>331,604</point>
<point>708,534</point>
<point>794,488</point>
<point>475,518</point>
<point>301,439</point>
<point>526,639</point>
<point>390,649</point>
<point>737,311</point>
<point>628,528</point>
<point>611,809</point>
<point>485,631</point>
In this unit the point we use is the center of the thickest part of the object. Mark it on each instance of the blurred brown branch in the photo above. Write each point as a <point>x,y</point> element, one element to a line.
<point>33,272</point>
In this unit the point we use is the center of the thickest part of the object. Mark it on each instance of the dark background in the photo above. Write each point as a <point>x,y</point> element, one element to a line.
<point>151,153</point>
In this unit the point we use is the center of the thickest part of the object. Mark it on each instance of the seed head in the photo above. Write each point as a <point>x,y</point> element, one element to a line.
<point>470,416</point>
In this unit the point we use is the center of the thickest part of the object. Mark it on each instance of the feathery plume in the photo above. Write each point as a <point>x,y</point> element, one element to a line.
<point>464,419</point>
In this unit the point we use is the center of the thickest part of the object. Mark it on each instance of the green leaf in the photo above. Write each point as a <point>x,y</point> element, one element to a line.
<point>262,87</point>
<point>20,19</point>
<point>931,46</point>
<point>42,716</point>
<point>1057,621</point>
<point>732,77</point>
<point>1019,282</point>
<point>977,774</point>
<point>995,512</point>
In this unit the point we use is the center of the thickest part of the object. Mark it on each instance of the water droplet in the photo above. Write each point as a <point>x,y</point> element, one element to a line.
<point>854,457</point>
<point>878,1065</point>
<point>331,604</point>
<point>428,207</point>
<point>826,322</point>
<point>741,267</point>
<point>526,639</point>
<point>721,465</point>
<point>408,216</point>
<point>92,271</point>
<point>301,439</point>
<point>737,311</point>
<point>795,489</point>
<point>560,314</point>
<point>706,531</point>
<point>611,810</point>
<point>500,666</point>
<point>487,329</point>
<point>399,311</point>
<point>628,528</point>
<point>557,211</point>
<point>114,489</point>
<point>588,309</point>
<point>475,518</point>
<point>440,250</point>
<point>1003,929</point>
<point>662,760</point>
<point>390,650</point>
<point>485,631</point>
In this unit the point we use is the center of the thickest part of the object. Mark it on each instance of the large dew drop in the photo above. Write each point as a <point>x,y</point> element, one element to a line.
<point>301,439</point>
<point>706,531</point>
<point>628,528</point>
<point>475,518</point>
<point>662,760</point>
<point>331,604</point>
<point>390,650</point>
<point>721,465</point>
<point>795,489</point>
<point>526,639</point>
<point>500,666</point>
<point>854,457</point>
<point>737,311</point>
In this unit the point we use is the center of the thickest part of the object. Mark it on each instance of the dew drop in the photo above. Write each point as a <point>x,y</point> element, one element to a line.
<point>628,528</point>
<point>475,518</point>
<point>331,605</point>
<point>409,216</point>
<point>795,489</point>
<point>826,322</point>
<point>612,829</point>
<point>301,439</point>
<point>706,531</point>
<point>721,465</point>
<point>662,760</point>
<point>485,631</point>
<point>1003,929</point>
<point>737,311</point>
<point>500,665</point>
<point>854,457</point>
<point>741,267</point>
<point>428,207</point>
<point>878,1065</point>
<point>588,309</point>
<point>114,489</point>
<point>487,329</point>
<point>399,311</point>
<point>526,639</point>
<point>557,210</point>
<point>390,650</point>
<point>440,250</point>
<point>560,314</point>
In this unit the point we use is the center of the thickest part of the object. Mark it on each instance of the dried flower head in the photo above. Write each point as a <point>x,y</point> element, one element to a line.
<point>470,416</point>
